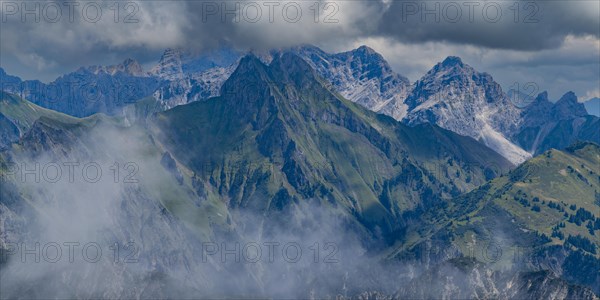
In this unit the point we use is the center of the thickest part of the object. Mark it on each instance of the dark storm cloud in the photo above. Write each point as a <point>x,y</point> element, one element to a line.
<point>517,25</point>
<point>46,42</point>
<point>47,47</point>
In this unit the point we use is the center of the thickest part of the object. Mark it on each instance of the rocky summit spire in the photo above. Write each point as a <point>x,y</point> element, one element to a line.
<point>131,67</point>
<point>170,65</point>
<point>568,107</point>
<point>451,61</point>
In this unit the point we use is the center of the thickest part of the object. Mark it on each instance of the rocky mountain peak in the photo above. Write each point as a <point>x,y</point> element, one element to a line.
<point>361,75</point>
<point>452,61</point>
<point>540,105</point>
<point>568,107</point>
<point>456,97</point>
<point>542,97</point>
<point>170,65</point>
<point>568,97</point>
<point>131,67</point>
<point>252,74</point>
<point>456,80</point>
<point>171,54</point>
<point>291,68</point>
<point>246,80</point>
<point>367,52</point>
<point>537,113</point>
<point>366,49</point>
<point>318,58</point>
<point>370,63</point>
<point>249,63</point>
<point>449,68</point>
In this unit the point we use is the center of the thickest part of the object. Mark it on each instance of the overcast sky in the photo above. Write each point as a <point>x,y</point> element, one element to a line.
<point>554,44</point>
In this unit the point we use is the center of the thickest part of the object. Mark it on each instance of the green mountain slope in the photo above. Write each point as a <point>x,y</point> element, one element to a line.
<point>278,136</point>
<point>18,115</point>
<point>549,190</point>
<point>24,113</point>
<point>544,215</point>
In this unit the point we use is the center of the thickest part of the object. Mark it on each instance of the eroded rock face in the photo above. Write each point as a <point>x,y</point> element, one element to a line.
<point>456,97</point>
<point>362,76</point>
<point>193,77</point>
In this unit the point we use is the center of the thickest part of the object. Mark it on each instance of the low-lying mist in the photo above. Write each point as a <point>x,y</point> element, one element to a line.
<point>102,217</point>
<point>90,221</point>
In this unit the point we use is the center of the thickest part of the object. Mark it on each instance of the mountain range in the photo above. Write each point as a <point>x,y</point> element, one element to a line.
<point>452,94</point>
<point>557,125</point>
<point>432,197</point>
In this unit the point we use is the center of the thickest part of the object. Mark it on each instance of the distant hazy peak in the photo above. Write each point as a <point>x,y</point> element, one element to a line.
<point>542,97</point>
<point>169,66</point>
<point>568,97</point>
<point>568,107</point>
<point>129,66</point>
